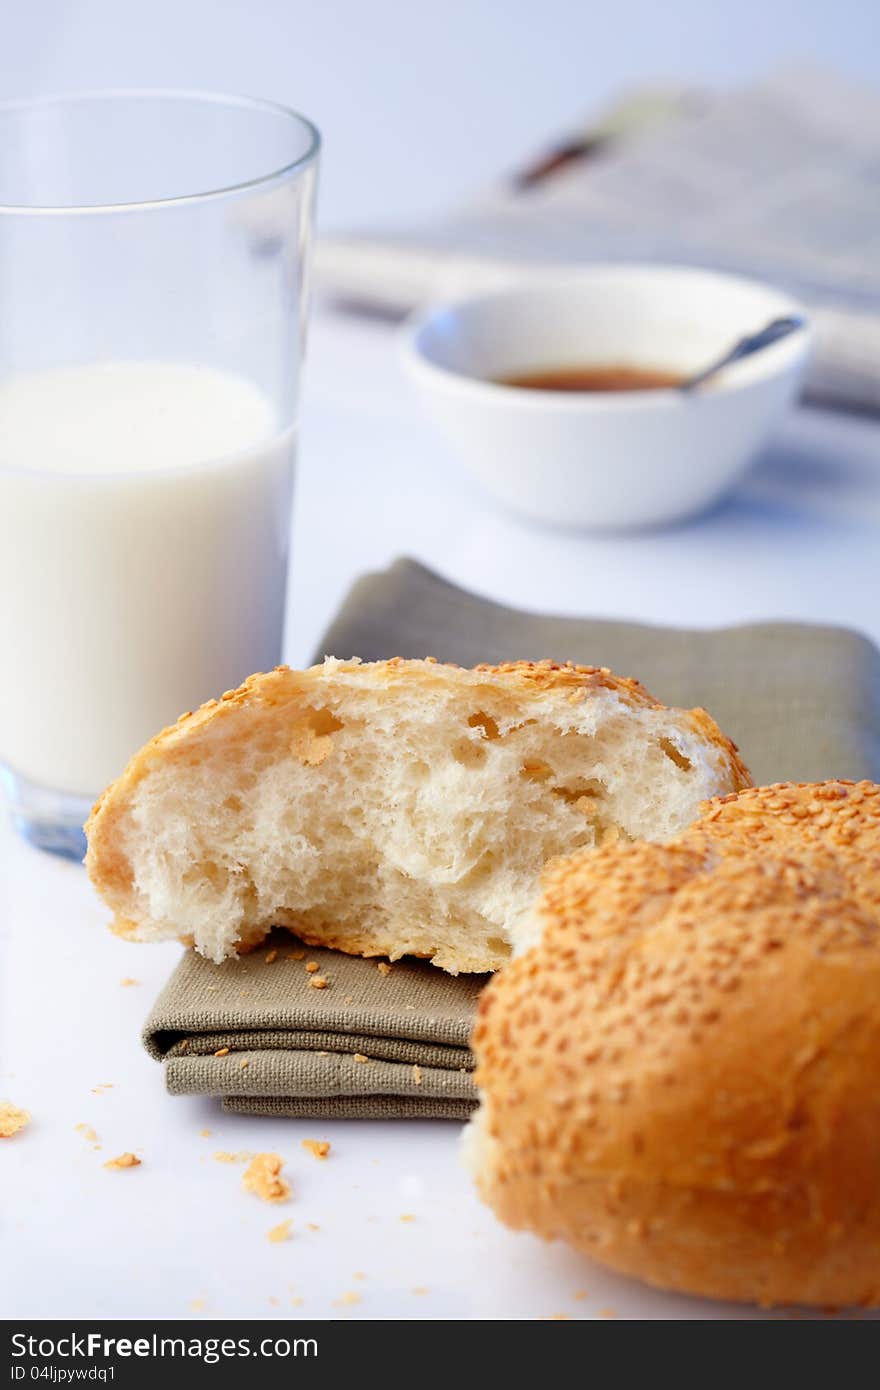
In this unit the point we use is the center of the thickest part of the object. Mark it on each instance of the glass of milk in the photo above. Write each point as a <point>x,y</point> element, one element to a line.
<point>153,297</point>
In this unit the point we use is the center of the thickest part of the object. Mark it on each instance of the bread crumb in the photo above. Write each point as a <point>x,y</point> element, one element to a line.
<point>271,957</point>
<point>383,967</point>
<point>102,1088</point>
<point>184,1044</point>
<point>222,1052</point>
<point>607,1312</point>
<point>318,1148</point>
<point>280,1232</point>
<point>580,1295</point>
<point>359,1057</point>
<point>319,982</point>
<point>420,1291</point>
<point>347,1299</point>
<point>126,1160</point>
<point>223,1156</point>
<point>275,1302</point>
<point>128,981</point>
<point>197,1305</point>
<point>204,1134</point>
<point>243,993</point>
<point>407,1216</point>
<point>245,1062</point>
<point>297,1302</point>
<point>87,1133</point>
<point>296,955</point>
<point>12,1119</point>
<point>312,1227</point>
<point>359,1274</point>
<point>417,1074</point>
<point>312,966</point>
<point>349,999</point>
<point>559,1317</point>
<point>263,1178</point>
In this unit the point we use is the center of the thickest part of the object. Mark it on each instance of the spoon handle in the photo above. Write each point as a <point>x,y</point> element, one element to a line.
<point>753,342</point>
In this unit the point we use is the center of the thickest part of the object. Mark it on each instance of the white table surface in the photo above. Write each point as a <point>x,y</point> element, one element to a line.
<point>178,1237</point>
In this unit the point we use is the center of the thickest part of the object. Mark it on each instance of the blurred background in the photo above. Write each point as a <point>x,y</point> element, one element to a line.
<point>422,104</point>
<point>426,108</point>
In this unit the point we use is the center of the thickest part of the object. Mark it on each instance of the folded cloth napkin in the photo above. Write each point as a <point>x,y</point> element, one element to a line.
<point>376,1042</point>
<point>802,702</point>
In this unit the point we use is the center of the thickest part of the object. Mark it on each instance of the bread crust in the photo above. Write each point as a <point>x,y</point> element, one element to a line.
<point>680,1078</point>
<point>107,861</point>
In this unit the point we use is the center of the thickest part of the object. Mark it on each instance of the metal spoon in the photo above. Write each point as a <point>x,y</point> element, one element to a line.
<point>753,342</point>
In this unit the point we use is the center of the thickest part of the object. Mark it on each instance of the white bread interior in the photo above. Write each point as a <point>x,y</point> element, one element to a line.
<point>394,808</point>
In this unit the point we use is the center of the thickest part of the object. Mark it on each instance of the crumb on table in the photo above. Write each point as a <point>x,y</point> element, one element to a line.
<point>318,1148</point>
<point>347,1299</point>
<point>222,1052</point>
<point>280,1232</point>
<point>296,955</point>
<point>126,1160</point>
<point>128,981</point>
<point>271,957</point>
<point>264,1179</point>
<point>383,967</point>
<point>12,1119</point>
<point>359,1057</point>
<point>319,982</point>
<point>311,966</point>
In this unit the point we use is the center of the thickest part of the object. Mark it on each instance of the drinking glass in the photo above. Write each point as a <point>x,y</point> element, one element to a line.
<point>153,300</point>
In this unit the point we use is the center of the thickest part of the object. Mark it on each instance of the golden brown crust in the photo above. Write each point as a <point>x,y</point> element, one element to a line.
<point>680,1079</point>
<point>106,860</point>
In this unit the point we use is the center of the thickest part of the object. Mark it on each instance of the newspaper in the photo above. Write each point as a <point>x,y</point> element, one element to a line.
<point>780,181</point>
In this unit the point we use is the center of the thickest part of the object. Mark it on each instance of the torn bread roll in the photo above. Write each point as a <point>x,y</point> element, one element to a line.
<point>392,808</point>
<point>680,1078</point>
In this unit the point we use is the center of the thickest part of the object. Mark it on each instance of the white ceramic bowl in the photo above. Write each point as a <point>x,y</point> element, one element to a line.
<point>606,459</point>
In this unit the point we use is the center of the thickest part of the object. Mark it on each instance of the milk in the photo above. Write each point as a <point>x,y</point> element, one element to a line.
<point>144,517</point>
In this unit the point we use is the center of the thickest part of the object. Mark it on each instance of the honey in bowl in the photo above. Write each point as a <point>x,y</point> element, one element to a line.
<point>589,377</point>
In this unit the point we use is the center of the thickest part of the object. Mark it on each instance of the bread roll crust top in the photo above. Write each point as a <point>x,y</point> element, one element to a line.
<point>680,1078</point>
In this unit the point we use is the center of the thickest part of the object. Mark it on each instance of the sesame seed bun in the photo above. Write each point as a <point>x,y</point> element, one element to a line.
<point>680,1078</point>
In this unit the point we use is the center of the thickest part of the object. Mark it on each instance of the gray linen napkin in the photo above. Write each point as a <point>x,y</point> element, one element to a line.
<point>373,1043</point>
<point>802,702</point>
